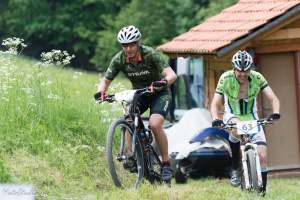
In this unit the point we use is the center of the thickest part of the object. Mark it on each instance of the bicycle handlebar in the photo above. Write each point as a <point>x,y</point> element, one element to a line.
<point>111,98</point>
<point>262,122</point>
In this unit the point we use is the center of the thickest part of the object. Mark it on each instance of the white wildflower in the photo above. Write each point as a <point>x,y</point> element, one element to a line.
<point>46,142</point>
<point>101,148</point>
<point>14,45</point>
<point>32,104</point>
<point>81,147</point>
<point>53,96</point>
<point>56,57</point>
<point>28,91</point>
<point>79,73</point>
<point>45,83</point>
<point>5,99</point>
<point>40,74</point>
<point>75,77</point>
<point>104,120</point>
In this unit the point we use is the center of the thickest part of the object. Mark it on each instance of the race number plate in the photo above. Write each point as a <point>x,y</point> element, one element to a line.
<point>249,127</point>
<point>126,95</point>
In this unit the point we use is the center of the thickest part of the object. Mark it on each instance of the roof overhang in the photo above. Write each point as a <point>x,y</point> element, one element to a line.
<point>234,28</point>
<point>258,32</point>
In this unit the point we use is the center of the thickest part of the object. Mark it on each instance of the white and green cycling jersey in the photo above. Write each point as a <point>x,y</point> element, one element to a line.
<point>229,87</point>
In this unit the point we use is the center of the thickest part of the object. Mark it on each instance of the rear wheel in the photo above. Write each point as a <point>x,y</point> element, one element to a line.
<point>252,170</point>
<point>153,166</point>
<point>126,167</point>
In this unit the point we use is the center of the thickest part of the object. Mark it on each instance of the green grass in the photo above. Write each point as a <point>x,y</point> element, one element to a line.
<point>52,135</point>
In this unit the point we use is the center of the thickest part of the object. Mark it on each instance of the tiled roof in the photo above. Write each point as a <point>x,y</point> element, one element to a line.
<point>231,24</point>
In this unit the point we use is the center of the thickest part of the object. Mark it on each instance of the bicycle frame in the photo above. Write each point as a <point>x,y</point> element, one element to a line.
<point>246,146</point>
<point>140,132</point>
<point>146,142</point>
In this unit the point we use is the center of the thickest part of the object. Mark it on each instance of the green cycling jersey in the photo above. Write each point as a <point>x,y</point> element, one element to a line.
<point>229,87</point>
<point>140,74</point>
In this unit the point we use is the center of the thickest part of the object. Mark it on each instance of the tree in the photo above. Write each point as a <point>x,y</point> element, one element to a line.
<point>88,28</point>
<point>51,24</point>
<point>213,7</point>
<point>153,18</point>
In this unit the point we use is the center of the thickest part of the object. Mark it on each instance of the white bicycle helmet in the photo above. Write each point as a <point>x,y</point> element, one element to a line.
<point>242,60</point>
<point>129,34</point>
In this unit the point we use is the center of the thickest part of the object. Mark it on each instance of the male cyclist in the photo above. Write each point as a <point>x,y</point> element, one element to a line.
<point>144,67</point>
<point>239,88</point>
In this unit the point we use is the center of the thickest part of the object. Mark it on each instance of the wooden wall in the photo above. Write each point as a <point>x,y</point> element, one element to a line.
<point>213,69</point>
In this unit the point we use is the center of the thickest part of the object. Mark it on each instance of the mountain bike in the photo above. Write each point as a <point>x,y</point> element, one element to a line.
<point>251,173</point>
<point>129,150</point>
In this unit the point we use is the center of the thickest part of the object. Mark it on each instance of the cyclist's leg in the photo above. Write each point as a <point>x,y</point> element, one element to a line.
<point>130,163</point>
<point>156,124</point>
<point>143,104</point>
<point>158,111</point>
<point>235,152</point>
<point>128,138</point>
<point>262,152</point>
<point>260,140</point>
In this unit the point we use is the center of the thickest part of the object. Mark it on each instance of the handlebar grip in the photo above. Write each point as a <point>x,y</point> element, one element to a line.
<point>108,98</point>
<point>97,96</point>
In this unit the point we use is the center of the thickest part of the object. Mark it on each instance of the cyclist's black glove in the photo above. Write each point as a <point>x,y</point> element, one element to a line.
<point>100,96</point>
<point>159,85</point>
<point>217,123</point>
<point>274,116</point>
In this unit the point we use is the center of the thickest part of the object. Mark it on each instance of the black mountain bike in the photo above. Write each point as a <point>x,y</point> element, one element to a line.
<point>129,150</point>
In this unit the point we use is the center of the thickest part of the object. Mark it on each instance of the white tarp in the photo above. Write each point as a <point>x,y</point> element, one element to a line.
<point>192,122</point>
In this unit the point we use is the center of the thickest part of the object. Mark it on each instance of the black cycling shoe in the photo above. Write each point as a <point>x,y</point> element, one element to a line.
<point>235,177</point>
<point>261,192</point>
<point>166,174</point>
<point>130,165</point>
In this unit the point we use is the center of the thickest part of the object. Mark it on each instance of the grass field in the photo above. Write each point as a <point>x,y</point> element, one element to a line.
<point>52,135</point>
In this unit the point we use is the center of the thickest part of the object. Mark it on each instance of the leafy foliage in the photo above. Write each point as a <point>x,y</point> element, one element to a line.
<point>88,28</point>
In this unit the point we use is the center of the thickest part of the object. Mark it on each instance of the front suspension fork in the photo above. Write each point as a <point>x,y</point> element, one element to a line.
<point>245,166</point>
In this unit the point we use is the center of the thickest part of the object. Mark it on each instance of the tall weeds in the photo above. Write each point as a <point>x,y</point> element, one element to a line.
<point>48,116</point>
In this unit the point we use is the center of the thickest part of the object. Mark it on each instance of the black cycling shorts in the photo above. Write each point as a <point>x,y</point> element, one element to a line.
<point>159,103</point>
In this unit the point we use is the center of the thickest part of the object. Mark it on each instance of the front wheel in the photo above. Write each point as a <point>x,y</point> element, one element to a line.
<point>252,168</point>
<point>126,167</point>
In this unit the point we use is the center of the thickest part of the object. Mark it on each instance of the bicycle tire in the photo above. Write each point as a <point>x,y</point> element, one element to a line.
<point>153,166</point>
<point>252,169</point>
<point>123,177</point>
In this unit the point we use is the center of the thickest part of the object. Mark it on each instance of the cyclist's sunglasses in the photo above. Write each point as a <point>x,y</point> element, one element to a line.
<point>129,44</point>
<point>241,71</point>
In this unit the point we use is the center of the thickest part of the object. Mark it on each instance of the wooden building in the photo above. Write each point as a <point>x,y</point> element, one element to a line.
<point>270,31</point>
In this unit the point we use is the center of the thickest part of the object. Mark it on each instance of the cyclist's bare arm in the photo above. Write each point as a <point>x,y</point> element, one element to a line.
<point>268,92</point>
<point>215,105</point>
<point>103,85</point>
<point>169,75</point>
